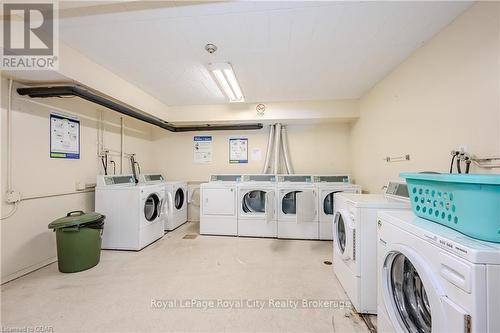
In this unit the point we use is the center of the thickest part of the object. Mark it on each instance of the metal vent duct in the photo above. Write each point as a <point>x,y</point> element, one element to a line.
<point>86,94</point>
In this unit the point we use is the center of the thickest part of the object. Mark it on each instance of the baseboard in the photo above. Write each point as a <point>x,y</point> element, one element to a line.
<point>28,270</point>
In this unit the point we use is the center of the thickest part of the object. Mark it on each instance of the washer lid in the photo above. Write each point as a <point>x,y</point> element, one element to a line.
<point>373,201</point>
<point>473,250</point>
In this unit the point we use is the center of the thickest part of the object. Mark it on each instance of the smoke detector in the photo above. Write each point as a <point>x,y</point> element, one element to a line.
<point>211,48</point>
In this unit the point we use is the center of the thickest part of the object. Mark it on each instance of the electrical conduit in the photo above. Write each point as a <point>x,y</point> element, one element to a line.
<point>269,147</point>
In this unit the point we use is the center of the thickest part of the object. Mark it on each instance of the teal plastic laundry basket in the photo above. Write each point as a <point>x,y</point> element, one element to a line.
<point>468,203</point>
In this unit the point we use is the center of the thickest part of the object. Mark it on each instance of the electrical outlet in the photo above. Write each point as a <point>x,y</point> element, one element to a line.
<point>13,196</point>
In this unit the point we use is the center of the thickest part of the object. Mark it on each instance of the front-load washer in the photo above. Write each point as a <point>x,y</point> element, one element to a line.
<point>218,205</point>
<point>156,178</point>
<point>327,186</point>
<point>257,206</point>
<point>355,241</point>
<point>176,204</point>
<point>435,279</point>
<point>297,207</point>
<point>133,211</point>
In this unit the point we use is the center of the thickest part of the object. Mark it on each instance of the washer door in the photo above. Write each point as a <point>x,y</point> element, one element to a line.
<point>412,296</point>
<point>343,234</point>
<point>152,207</point>
<point>179,198</point>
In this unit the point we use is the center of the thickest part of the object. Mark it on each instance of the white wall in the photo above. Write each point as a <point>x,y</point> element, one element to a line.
<point>26,242</point>
<point>445,95</point>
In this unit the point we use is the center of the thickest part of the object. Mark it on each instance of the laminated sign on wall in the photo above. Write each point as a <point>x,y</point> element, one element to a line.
<point>202,148</point>
<point>64,136</point>
<point>238,150</point>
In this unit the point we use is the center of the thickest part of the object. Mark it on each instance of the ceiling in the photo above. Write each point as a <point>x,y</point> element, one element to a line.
<point>280,51</point>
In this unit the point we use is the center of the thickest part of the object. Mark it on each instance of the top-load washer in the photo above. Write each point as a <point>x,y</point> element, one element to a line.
<point>435,279</point>
<point>355,241</point>
<point>257,206</point>
<point>133,211</point>
<point>218,205</point>
<point>327,186</point>
<point>298,207</point>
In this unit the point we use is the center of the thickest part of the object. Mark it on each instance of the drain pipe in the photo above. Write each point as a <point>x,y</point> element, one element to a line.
<point>284,145</point>
<point>277,136</point>
<point>269,147</point>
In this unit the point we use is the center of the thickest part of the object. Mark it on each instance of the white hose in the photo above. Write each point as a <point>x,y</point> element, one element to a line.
<point>269,147</point>
<point>284,145</point>
<point>12,212</point>
<point>277,136</point>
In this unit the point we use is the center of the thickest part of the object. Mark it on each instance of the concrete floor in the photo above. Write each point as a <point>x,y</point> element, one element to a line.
<point>124,292</point>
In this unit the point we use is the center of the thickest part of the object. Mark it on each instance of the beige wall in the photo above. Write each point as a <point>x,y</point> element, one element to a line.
<point>26,243</point>
<point>313,149</point>
<point>445,95</point>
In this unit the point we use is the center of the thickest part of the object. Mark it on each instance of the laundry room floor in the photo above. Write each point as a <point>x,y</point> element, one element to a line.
<point>155,289</point>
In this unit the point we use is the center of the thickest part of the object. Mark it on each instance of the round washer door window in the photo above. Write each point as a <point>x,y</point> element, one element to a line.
<point>179,198</point>
<point>152,207</point>
<point>340,231</point>
<point>409,296</point>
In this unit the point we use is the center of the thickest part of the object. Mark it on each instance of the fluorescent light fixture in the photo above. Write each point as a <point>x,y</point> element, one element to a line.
<point>226,80</point>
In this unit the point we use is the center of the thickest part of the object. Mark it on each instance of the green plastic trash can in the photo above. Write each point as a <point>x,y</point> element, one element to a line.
<point>78,237</point>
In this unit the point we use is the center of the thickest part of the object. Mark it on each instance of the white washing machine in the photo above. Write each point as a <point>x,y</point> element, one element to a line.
<point>435,279</point>
<point>355,241</point>
<point>257,206</point>
<point>133,212</point>
<point>297,207</point>
<point>176,204</point>
<point>218,205</point>
<point>327,187</point>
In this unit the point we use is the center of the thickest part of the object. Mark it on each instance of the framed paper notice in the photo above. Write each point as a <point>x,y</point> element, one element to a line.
<point>64,136</point>
<point>202,149</point>
<point>238,150</point>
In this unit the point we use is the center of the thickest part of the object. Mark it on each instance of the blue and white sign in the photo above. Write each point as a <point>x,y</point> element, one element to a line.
<point>238,150</point>
<point>64,136</point>
<point>202,149</point>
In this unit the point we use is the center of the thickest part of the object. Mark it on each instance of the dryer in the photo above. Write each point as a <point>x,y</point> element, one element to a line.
<point>435,279</point>
<point>327,186</point>
<point>133,211</point>
<point>355,241</point>
<point>218,205</point>
<point>257,206</point>
<point>297,207</point>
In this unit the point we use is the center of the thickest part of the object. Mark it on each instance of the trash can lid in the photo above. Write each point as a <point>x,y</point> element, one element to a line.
<point>75,218</point>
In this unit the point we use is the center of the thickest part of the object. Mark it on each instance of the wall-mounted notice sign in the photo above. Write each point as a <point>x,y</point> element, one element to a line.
<point>238,150</point>
<point>64,136</point>
<point>202,148</point>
